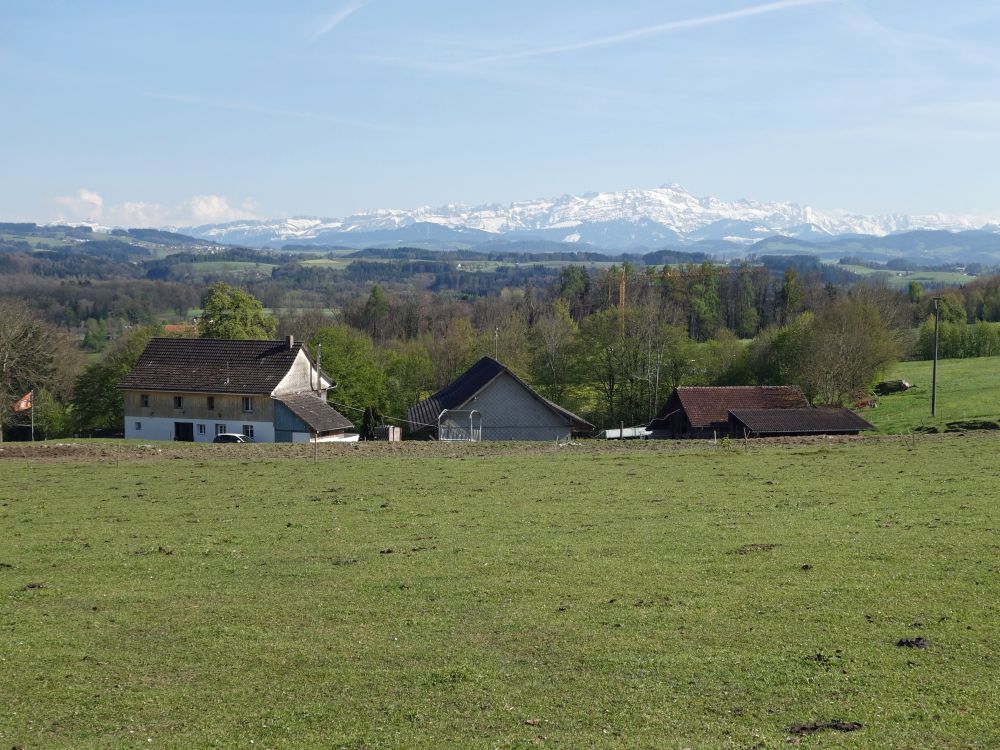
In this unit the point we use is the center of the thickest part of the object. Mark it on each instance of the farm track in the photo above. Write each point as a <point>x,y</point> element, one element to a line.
<point>102,451</point>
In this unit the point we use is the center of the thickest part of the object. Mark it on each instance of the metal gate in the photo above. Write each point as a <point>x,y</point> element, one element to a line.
<point>455,425</point>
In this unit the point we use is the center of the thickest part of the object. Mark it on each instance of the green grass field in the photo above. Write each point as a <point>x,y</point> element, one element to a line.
<point>968,390</point>
<point>334,263</point>
<point>902,280</point>
<point>432,596</point>
<point>232,267</point>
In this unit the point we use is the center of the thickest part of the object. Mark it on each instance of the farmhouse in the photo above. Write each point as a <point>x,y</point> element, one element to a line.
<point>749,411</point>
<point>489,402</point>
<point>194,389</point>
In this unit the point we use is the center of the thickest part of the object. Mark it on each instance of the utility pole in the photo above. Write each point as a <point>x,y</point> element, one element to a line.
<point>621,301</point>
<point>937,326</point>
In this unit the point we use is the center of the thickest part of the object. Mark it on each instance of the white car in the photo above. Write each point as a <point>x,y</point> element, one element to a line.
<point>232,437</point>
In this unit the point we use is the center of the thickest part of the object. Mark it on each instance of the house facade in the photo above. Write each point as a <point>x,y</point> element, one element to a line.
<point>195,389</point>
<point>489,402</point>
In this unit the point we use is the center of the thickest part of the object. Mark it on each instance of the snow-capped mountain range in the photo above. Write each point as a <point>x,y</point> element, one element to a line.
<point>617,220</point>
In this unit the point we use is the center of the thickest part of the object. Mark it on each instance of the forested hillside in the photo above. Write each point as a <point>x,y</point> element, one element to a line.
<point>608,337</point>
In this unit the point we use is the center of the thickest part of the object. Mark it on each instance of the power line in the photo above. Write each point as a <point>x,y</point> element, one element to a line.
<point>384,416</point>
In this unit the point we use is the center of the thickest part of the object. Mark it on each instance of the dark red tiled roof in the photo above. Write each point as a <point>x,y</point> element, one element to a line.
<point>211,365</point>
<point>315,412</point>
<point>705,406</point>
<point>799,421</point>
<point>467,385</point>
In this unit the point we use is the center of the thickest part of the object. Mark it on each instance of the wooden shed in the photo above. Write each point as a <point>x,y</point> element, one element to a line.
<point>703,412</point>
<point>782,422</point>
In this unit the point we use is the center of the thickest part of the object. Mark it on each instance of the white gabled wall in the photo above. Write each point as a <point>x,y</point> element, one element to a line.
<point>162,428</point>
<point>301,377</point>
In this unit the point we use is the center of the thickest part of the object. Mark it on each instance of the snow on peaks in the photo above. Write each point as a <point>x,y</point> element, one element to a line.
<point>670,207</point>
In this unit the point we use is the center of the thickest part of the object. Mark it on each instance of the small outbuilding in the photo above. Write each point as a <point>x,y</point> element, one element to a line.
<point>703,412</point>
<point>749,411</point>
<point>489,402</point>
<point>797,422</point>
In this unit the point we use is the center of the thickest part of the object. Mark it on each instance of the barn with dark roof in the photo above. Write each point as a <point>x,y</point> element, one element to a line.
<point>489,402</point>
<point>195,389</point>
<point>749,411</point>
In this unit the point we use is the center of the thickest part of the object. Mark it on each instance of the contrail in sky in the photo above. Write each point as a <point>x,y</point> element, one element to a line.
<point>657,29</point>
<point>333,21</point>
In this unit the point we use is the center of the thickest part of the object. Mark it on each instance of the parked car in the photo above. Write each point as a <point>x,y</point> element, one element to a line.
<point>232,437</point>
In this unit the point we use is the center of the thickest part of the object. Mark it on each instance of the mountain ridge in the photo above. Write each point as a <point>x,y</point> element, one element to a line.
<point>619,220</point>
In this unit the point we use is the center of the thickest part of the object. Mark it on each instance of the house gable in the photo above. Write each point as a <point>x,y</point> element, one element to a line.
<point>511,411</point>
<point>301,377</point>
<point>487,373</point>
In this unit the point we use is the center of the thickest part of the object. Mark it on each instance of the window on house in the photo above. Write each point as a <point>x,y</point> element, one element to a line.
<point>178,402</point>
<point>201,429</point>
<point>248,430</point>
<point>138,426</point>
<point>247,403</point>
<point>144,400</point>
<point>211,403</point>
<point>220,429</point>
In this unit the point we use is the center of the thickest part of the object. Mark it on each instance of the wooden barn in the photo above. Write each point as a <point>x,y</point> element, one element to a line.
<point>784,422</point>
<point>749,411</point>
<point>489,402</point>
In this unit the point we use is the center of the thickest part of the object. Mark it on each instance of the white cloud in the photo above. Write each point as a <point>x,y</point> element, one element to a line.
<point>87,205</point>
<point>215,209</point>
<point>329,23</point>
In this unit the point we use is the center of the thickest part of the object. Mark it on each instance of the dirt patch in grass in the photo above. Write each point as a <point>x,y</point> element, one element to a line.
<point>820,726</point>
<point>970,425</point>
<point>749,549</point>
<point>918,642</point>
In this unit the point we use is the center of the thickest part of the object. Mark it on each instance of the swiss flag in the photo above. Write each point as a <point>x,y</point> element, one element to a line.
<point>25,403</point>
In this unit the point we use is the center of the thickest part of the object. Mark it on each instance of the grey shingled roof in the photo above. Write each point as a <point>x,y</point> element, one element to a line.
<point>800,421</point>
<point>467,385</point>
<point>315,412</point>
<point>211,366</point>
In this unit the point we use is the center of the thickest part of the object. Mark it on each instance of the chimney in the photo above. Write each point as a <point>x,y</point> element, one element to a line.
<point>319,366</point>
<point>291,342</point>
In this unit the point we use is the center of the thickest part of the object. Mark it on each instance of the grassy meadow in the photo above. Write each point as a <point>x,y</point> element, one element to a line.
<point>901,280</point>
<point>968,390</point>
<point>428,596</point>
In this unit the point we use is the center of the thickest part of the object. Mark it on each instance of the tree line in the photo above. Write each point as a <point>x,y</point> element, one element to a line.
<point>608,343</point>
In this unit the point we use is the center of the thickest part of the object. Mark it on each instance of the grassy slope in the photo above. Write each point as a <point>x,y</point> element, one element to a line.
<point>968,389</point>
<point>597,593</point>
<point>927,278</point>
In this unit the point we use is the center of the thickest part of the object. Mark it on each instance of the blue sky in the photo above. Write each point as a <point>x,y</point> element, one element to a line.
<point>192,112</point>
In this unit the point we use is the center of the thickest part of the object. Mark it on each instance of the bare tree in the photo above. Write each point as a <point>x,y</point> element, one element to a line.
<point>553,339</point>
<point>33,356</point>
<point>848,347</point>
